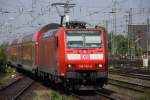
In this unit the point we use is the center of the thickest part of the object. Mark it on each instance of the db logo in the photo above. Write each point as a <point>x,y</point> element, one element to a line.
<point>84,57</point>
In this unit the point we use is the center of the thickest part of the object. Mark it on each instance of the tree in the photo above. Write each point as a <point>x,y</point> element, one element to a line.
<point>121,44</point>
<point>3,58</point>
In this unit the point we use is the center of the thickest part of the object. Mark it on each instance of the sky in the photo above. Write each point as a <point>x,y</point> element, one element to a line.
<point>21,17</point>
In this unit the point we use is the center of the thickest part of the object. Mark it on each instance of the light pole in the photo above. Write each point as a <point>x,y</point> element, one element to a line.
<point>147,39</point>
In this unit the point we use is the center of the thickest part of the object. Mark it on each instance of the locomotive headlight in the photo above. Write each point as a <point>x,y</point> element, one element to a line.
<point>99,65</point>
<point>69,65</point>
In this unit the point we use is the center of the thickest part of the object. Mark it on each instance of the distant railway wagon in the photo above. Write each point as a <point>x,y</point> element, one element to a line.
<point>12,52</point>
<point>74,55</point>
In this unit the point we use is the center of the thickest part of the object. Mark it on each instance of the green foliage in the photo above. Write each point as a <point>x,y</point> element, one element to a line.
<point>121,41</point>
<point>109,42</point>
<point>145,97</point>
<point>4,77</point>
<point>2,56</point>
<point>3,59</point>
<point>56,96</point>
<point>121,45</point>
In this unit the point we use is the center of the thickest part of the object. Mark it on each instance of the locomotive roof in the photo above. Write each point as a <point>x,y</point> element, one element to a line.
<point>50,26</point>
<point>76,24</point>
<point>81,22</point>
<point>36,36</point>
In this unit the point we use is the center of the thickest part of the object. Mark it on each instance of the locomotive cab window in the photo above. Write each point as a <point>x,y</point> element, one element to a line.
<point>83,38</point>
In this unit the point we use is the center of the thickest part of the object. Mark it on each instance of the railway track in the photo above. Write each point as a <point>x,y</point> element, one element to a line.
<point>130,86</point>
<point>7,85</point>
<point>93,95</point>
<point>16,89</point>
<point>133,75</point>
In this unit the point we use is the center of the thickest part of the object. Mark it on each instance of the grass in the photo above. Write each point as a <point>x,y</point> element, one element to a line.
<point>53,95</point>
<point>57,96</point>
<point>7,75</point>
<point>145,97</point>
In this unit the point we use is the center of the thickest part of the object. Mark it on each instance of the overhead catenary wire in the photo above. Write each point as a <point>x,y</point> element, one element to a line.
<point>37,16</point>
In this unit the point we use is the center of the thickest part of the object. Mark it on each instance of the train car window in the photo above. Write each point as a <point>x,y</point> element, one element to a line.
<point>49,33</point>
<point>27,54</point>
<point>54,32</point>
<point>84,39</point>
<point>56,41</point>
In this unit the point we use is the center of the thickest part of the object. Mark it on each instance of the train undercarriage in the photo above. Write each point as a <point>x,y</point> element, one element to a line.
<point>76,80</point>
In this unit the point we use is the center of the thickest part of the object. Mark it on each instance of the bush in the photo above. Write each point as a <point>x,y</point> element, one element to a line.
<point>3,59</point>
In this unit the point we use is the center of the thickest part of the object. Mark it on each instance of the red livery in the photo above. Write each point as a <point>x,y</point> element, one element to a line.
<point>74,55</point>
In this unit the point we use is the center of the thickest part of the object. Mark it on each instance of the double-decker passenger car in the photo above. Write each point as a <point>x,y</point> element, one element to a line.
<point>12,53</point>
<point>74,55</point>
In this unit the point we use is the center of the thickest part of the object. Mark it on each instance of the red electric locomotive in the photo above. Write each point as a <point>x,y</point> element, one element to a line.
<point>74,55</point>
